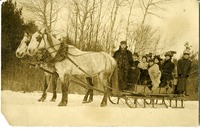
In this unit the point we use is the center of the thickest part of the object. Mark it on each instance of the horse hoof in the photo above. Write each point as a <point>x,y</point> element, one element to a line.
<point>103,105</point>
<point>89,101</point>
<point>41,100</point>
<point>62,104</point>
<point>84,101</point>
<point>53,100</point>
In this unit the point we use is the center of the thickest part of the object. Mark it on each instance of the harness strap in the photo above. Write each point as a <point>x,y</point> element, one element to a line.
<point>45,70</point>
<point>85,85</point>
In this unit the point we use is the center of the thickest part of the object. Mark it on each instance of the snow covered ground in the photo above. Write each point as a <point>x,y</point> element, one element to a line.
<point>23,109</point>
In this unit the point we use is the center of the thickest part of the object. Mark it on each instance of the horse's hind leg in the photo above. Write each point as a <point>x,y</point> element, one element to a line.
<point>104,79</point>
<point>44,95</point>
<point>54,86</point>
<point>86,97</point>
<point>89,92</point>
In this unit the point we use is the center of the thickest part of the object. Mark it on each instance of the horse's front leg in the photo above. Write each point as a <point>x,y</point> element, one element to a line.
<point>54,86</point>
<point>65,85</point>
<point>44,95</point>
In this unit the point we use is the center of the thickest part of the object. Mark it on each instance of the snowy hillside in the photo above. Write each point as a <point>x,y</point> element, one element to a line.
<point>23,109</point>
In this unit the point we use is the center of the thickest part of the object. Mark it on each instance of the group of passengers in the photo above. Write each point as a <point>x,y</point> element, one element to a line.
<point>151,70</point>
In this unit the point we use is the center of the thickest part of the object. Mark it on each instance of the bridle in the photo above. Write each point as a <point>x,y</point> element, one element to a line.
<point>45,44</point>
<point>46,54</point>
<point>55,58</point>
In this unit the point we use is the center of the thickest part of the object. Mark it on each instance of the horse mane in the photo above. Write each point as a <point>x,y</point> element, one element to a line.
<point>29,30</point>
<point>49,38</point>
<point>71,49</point>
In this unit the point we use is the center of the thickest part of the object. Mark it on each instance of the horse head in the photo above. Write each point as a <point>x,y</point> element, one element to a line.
<point>22,48</point>
<point>37,42</point>
<point>41,40</point>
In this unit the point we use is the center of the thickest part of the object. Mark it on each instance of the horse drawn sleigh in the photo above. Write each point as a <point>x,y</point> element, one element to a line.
<point>69,63</point>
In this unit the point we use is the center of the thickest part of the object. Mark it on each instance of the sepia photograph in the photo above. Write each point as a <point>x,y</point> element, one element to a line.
<point>100,63</point>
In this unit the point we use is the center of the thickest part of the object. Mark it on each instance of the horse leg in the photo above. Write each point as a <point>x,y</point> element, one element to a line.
<point>89,92</point>
<point>104,79</point>
<point>54,86</point>
<point>86,97</point>
<point>65,85</point>
<point>44,95</point>
<point>104,100</point>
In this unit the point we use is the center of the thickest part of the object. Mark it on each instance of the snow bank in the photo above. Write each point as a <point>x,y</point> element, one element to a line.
<point>23,109</point>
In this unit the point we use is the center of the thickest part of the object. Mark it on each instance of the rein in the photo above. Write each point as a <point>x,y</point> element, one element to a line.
<point>61,55</point>
<point>45,70</point>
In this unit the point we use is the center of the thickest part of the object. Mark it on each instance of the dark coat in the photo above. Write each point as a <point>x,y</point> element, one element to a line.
<point>124,61</point>
<point>134,73</point>
<point>166,69</point>
<point>124,58</point>
<point>183,70</point>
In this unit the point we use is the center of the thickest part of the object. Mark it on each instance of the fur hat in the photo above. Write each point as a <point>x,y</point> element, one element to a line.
<point>170,53</point>
<point>123,42</point>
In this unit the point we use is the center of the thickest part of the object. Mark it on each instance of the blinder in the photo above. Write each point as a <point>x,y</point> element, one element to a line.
<point>39,38</point>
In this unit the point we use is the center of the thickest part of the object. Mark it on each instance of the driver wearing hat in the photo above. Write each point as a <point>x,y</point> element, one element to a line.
<point>124,61</point>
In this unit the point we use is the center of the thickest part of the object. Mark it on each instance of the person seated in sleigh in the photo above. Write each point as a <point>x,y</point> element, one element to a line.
<point>143,67</point>
<point>155,74</point>
<point>134,72</point>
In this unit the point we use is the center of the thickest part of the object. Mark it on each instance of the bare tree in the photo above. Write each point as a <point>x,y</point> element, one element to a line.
<point>82,18</point>
<point>149,7</point>
<point>130,3</point>
<point>113,16</point>
<point>74,9</point>
<point>45,11</point>
<point>98,22</point>
<point>145,35</point>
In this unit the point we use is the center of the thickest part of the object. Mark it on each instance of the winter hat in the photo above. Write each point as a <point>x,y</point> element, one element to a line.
<point>170,53</point>
<point>123,42</point>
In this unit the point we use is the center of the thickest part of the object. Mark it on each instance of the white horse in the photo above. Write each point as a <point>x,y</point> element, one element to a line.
<point>75,63</point>
<point>22,48</point>
<point>22,51</point>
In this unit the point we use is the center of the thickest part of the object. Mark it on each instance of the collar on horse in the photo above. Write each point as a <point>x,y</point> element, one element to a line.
<point>61,52</point>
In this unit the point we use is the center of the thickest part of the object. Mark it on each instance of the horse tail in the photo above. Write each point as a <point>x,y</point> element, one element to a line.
<point>114,82</point>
